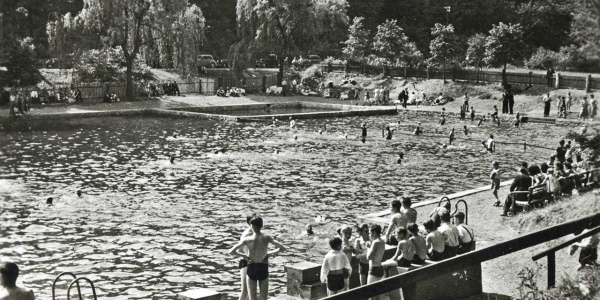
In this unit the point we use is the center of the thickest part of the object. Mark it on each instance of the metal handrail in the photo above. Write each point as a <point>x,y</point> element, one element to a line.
<point>445,198</point>
<point>466,210</point>
<point>76,281</point>
<point>56,280</point>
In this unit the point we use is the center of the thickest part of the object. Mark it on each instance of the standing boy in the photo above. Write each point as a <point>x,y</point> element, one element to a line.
<point>257,257</point>
<point>336,268</point>
<point>375,255</point>
<point>495,177</point>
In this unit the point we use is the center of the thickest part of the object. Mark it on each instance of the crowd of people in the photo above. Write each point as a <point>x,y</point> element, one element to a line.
<point>21,101</point>
<point>442,239</point>
<point>230,92</point>
<point>556,176</point>
<point>589,108</point>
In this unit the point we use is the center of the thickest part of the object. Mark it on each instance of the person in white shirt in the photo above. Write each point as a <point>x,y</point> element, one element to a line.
<point>336,268</point>
<point>466,236</point>
<point>451,235</point>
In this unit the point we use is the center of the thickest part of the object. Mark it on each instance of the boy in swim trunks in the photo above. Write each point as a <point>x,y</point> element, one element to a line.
<point>8,279</point>
<point>375,255</point>
<point>434,242</point>
<point>364,132</point>
<point>362,244</point>
<point>418,130</point>
<point>410,213</point>
<point>347,243</point>
<point>336,268</point>
<point>243,265</point>
<point>257,257</point>
<point>495,177</point>
<point>405,252</point>
<point>398,220</point>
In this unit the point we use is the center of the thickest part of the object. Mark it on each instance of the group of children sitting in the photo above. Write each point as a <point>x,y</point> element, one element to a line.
<point>230,92</point>
<point>443,240</point>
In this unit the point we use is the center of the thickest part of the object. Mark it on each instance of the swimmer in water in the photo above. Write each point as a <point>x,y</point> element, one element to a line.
<point>79,193</point>
<point>295,137</point>
<point>292,123</point>
<point>466,130</point>
<point>273,122</point>
<point>172,159</point>
<point>388,135</point>
<point>174,135</point>
<point>451,137</point>
<point>364,132</point>
<point>400,158</point>
<point>418,130</point>
<point>480,122</point>
<point>444,146</point>
<point>443,120</point>
<point>49,201</point>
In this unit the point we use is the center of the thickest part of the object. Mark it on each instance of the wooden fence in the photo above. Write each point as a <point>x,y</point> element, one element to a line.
<point>206,85</point>
<point>558,80</point>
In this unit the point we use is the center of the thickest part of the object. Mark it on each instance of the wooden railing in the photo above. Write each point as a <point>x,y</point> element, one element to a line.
<point>550,253</point>
<point>409,278</point>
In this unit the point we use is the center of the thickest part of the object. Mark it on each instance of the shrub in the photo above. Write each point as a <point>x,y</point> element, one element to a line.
<point>108,65</point>
<point>543,59</point>
<point>334,61</point>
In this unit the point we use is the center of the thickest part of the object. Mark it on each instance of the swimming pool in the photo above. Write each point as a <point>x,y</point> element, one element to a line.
<point>149,229</point>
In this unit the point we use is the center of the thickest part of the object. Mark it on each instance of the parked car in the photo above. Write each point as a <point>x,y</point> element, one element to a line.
<point>308,61</point>
<point>205,60</point>
<point>270,61</point>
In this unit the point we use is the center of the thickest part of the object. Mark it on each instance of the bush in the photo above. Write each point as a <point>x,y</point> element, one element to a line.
<point>108,65</point>
<point>543,59</point>
<point>334,61</point>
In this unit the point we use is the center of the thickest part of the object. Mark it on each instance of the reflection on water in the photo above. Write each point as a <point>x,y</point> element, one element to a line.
<point>147,228</point>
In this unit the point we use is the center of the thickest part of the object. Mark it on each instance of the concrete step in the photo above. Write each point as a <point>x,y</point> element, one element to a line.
<point>539,120</point>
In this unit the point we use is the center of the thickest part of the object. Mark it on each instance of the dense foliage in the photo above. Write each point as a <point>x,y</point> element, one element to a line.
<point>107,65</point>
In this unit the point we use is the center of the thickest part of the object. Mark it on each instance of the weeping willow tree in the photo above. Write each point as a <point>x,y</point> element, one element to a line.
<point>286,27</point>
<point>168,31</point>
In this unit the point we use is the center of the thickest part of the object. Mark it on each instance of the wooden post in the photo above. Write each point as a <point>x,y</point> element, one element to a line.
<point>264,83</point>
<point>477,78</point>
<point>588,83</point>
<point>199,86</point>
<point>551,270</point>
<point>557,84</point>
<point>530,78</point>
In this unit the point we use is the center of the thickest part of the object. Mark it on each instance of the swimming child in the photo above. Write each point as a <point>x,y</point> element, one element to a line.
<point>364,132</point>
<point>400,158</point>
<point>79,193</point>
<point>451,137</point>
<point>336,268</point>
<point>472,114</point>
<point>480,122</point>
<point>418,130</point>
<point>257,257</point>
<point>490,145</point>
<point>172,159</point>
<point>388,135</point>
<point>292,123</point>
<point>466,130</point>
<point>49,201</point>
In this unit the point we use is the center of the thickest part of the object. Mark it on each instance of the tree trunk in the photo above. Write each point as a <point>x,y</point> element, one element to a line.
<point>280,73</point>
<point>129,74</point>
<point>444,70</point>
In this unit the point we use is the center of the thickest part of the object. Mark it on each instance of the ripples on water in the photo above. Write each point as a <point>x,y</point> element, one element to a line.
<point>148,229</point>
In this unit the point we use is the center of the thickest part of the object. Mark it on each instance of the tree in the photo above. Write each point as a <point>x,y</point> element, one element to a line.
<point>134,25</point>
<point>476,50</point>
<point>389,41</point>
<point>285,27</point>
<point>357,42</point>
<point>443,45</point>
<point>504,45</point>
<point>17,51</point>
<point>585,32</point>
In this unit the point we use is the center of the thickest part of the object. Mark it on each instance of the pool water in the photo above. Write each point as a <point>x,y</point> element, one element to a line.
<point>146,228</point>
<point>276,111</point>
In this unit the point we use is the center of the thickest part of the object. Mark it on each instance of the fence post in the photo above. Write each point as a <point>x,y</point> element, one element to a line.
<point>551,269</point>
<point>477,78</point>
<point>346,67</point>
<point>385,70</point>
<point>264,83</point>
<point>329,67</point>
<point>428,76</point>
<point>199,85</point>
<point>530,78</point>
<point>557,83</point>
<point>588,83</point>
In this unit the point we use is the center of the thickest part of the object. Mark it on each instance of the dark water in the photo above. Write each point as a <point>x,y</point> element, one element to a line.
<point>149,229</point>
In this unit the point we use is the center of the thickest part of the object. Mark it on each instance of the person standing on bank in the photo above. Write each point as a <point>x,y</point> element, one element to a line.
<point>547,104</point>
<point>593,107</point>
<point>505,102</point>
<point>511,102</point>
<point>584,109</point>
<point>466,102</point>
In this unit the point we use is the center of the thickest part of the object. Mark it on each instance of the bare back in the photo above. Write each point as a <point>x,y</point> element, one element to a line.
<point>257,246</point>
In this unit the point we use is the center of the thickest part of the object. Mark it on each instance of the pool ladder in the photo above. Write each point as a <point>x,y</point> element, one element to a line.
<point>456,208</point>
<point>74,282</point>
